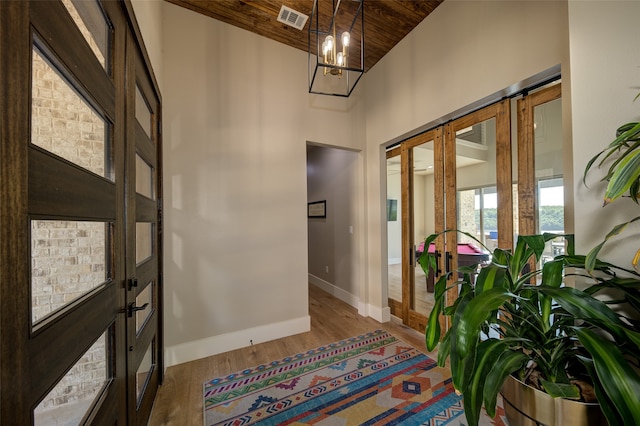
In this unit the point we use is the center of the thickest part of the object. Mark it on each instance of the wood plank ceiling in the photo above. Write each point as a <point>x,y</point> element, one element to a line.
<point>386,22</point>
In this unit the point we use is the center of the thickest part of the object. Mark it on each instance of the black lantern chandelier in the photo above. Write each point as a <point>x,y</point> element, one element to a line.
<point>336,64</point>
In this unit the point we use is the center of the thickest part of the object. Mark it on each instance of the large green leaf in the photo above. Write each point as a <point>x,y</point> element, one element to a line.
<point>570,243</point>
<point>519,253</point>
<point>561,390</point>
<point>536,243</point>
<point>628,286</point>
<point>607,406</point>
<point>488,353</point>
<point>552,277</point>
<point>509,362</point>
<point>581,305</point>
<point>623,177</point>
<point>445,349</point>
<point>590,261</point>
<point>457,359</point>
<point>552,273</point>
<point>428,260</point>
<point>619,380</point>
<point>561,351</point>
<point>489,277</point>
<point>590,164</point>
<point>620,152</point>
<point>626,132</point>
<point>526,247</point>
<point>466,326</point>
<point>631,336</point>
<point>470,320</point>
<point>433,330</point>
<point>501,257</point>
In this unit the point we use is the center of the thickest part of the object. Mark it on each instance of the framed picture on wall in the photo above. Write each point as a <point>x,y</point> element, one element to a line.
<point>317,209</point>
<point>392,210</point>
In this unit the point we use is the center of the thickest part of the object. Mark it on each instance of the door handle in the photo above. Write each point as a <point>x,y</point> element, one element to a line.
<point>438,255</point>
<point>447,257</point>
<point>133,308</point>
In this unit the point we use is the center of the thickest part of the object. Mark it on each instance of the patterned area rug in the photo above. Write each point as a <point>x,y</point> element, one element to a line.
<point>372,379</point>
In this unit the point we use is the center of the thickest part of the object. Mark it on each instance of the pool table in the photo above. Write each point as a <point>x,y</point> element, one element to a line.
<point>468,255</point>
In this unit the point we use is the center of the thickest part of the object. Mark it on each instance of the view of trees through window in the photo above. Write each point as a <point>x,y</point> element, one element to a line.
<point>551,205</point>
<point>551,219</point>
<point>483,201</point>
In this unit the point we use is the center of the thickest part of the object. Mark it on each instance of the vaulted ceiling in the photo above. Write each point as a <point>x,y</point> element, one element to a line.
<point>386,22</point>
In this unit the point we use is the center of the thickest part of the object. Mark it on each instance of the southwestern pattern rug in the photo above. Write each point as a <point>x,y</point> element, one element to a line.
<point>371,379</point>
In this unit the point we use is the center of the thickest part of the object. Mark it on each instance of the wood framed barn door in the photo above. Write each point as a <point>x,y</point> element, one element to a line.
<point>540,166</point>
<point>477,171</point>
<point>64,231</point>
<point>528,165</point>
<point>415,187</point>
<point>441,175</point>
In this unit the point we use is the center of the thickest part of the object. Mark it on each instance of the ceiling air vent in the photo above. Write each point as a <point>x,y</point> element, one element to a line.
<point>292,18</point>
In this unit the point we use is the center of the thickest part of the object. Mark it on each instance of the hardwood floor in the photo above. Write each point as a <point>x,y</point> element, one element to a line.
<point>179,400</point>
<point>424,301</point>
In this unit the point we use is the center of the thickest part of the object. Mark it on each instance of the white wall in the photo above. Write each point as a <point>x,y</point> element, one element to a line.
<point>461,53</point>
<point>605,78</point>
<point>237,117</point>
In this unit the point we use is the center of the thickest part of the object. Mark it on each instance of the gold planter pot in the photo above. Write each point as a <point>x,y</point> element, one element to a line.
<point>527,406</point>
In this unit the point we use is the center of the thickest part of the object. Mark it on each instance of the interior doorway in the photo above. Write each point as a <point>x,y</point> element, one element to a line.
<point>332,180</point>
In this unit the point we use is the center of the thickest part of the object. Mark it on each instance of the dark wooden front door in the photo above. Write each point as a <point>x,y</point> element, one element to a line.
<point>68,216</point>
<point>143,243</point>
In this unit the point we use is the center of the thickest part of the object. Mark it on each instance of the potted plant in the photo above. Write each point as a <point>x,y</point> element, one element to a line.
<point>515,321</point>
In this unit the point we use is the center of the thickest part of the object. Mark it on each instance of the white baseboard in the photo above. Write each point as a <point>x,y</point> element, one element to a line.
<point>332,289</point>
<point>364,309</point>
<point>394,261</point>
<point>377,313</point>
<point>214,345</point>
